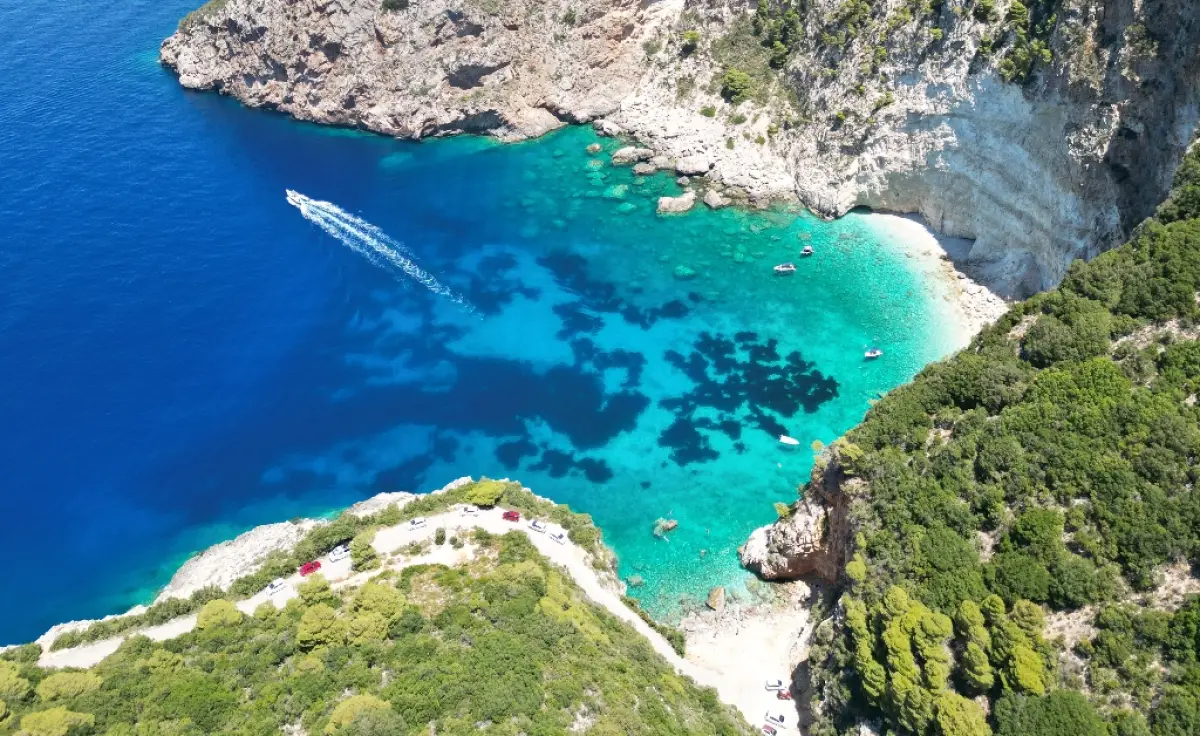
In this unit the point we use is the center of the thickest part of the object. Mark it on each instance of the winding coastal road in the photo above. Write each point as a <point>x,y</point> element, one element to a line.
<point>389,540</point>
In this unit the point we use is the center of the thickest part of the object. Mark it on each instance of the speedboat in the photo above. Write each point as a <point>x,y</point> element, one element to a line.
<point>785,268</point>
<point>806,250</point>
<point>872,353</point>
<point>788,440</point>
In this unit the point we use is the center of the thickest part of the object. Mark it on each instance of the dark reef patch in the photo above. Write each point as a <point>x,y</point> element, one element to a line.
<point>748,382</point>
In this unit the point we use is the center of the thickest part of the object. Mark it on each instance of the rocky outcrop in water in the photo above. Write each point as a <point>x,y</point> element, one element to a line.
<point>891,106</point>
<point>814,538</point>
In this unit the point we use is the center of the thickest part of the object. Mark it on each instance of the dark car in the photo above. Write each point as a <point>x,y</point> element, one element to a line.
<point>512,516</point>
<point>309,568</point>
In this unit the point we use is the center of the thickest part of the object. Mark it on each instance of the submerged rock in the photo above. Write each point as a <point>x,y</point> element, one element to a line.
<point>676,204</point>
<point>716,599</point>
<point>636,581</point>
<point>617,191</point>
<point>631,154</point>
<point>594,148</point>
<point>683,273</point>
<point>683,181</point>
<point>644,169</point>
<point>626,207</point>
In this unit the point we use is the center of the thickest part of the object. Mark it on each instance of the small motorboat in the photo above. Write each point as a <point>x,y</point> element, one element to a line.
<point>806,250</point>
<point>783,438</point>
<point>872,353</point>
<point>785,268</point>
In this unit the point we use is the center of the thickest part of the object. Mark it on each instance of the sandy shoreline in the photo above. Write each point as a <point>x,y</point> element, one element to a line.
<point>969,304</point>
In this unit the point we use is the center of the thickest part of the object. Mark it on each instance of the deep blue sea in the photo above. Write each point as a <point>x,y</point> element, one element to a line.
<point>183,355</point>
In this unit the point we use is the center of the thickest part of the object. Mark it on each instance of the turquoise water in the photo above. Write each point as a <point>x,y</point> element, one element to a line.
<point>186,356</point>
<point>689,382</point>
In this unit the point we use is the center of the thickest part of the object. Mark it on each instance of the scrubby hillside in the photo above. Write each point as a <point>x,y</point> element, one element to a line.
<point>1017,525</point>
<point>504,645</point>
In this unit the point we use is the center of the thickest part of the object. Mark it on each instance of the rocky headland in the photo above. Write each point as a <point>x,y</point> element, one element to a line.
<point>1043,132</point>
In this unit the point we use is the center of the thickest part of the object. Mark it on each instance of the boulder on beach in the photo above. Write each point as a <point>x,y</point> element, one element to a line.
<point>695,165</point>
<point>661,162</point>
<point>715,200</point>
<point>644,169</point>
<point>716,599</point>
<point>676,204</point>
<point>631,154</point>
<point>608,128</point>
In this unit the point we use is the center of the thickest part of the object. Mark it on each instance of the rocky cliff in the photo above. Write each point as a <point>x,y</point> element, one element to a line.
<point>1045,132</point>
<point>814,538</point>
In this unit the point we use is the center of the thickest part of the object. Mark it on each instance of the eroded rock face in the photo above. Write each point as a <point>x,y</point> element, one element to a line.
<point>439,66</point>
<point>814,539</point>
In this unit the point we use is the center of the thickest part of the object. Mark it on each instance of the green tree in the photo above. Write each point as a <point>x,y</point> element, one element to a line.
<point>316,590</point>
<point>485,493</point>
<point>736,86</point>
<point>349,709</point>
<point>218,614</point>
<point>954,715</point>
<point>66,685</point>
<point>320,626</point>
<point>362,550</point>
<point>380,598</point>
<point>366,627</point>
<point>56,722</point>
<point>1061,713</point>
<point>13,687</point>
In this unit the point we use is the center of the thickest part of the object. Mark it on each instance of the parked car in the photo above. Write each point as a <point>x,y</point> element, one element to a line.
<point>560,537</point>
<point>538,526</point>
<point>339,553</point>
<point>776,719</point>
<point>469,510</point>
<point>775,685</point>
<point>783,694</point>
<point>417,523</point>
<point>769,731</point>
<point>309,568</point>
<point>512,516</point>
<point>275,586</point>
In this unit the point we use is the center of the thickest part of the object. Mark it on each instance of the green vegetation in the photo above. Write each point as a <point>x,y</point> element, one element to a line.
<point>202,12</point>
<point>736,86</point>
<point>569,17</point>
<point>393,5</point>
<point>345,528</point>
<point>1065,441</point>
<point>688,42</point>
<point>362,551</point>
<point>779,27</point>
<point>1030,27</point>
<point>708,111</point>
<point>505,645</point>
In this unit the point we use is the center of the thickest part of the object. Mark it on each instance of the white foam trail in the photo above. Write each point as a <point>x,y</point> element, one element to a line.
<point>370,242</point>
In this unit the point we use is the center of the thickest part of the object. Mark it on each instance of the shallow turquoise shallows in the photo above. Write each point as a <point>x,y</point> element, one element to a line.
<point>186,353</point>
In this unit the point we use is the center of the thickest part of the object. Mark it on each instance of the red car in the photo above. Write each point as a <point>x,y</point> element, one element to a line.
<point>512,516</point>
<point>783,695</point>
<point>309,568</point>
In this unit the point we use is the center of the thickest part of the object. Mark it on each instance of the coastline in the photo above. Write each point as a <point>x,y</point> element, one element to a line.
<point>970,305</point>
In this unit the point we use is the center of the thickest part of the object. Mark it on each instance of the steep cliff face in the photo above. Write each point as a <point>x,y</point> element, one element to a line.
<point>814,539</point>
<point>898,105</point>
<point>515,69</point>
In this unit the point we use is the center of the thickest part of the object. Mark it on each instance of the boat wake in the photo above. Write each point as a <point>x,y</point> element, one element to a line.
<point>370,242</point>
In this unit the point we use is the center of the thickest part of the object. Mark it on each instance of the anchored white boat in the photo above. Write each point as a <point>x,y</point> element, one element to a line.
<point>785,268</point>
<point>872,353</point>
<point>806,250</point>
<point>788,440</point>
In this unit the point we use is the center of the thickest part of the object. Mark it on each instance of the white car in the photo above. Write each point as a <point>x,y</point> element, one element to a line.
<point>275,586</point>
<point>339,553</point>
<point>417,523</point>
<point>773,685</point>
<point>560,537</point>
<point>776,719</point>
<point>469,510</point>
<point>538,526</point>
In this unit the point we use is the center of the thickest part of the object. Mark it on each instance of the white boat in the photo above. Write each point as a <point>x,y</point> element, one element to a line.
<point>806,250</point>
<point>785,268</point>
<point>872,353</point>
<point>788,440</point>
